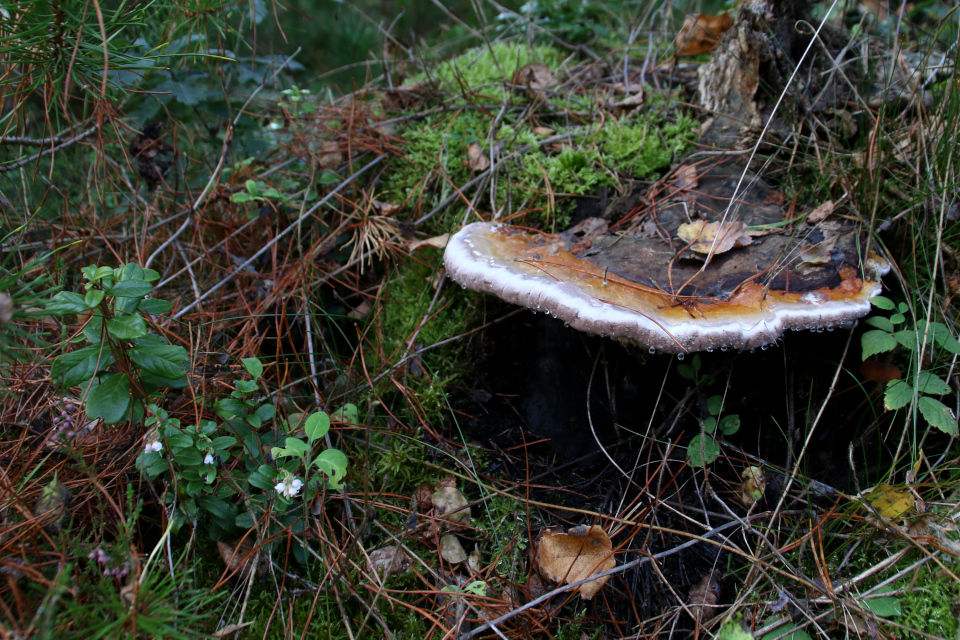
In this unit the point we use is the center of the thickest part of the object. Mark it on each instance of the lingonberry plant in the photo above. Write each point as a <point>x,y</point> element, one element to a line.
<point>124,364</point>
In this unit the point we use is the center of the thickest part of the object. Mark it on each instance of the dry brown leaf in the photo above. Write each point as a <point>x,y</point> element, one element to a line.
<point>423,496</point>
<point>385,208</point>
<point>754,484</point>
<point>634,100</point>
<point>474,561</point>
<point>388,561</point>
<point>451,550</point>
<point>361,311</point>
<point>229,630</point>
<point>534,77</point>
<point>703,597</point>
<point>820,213</point>
<point>714,237</point>
<point>237,554</point>
<point>543,132</point>
<point>701,32</point>
<point>6,308</point>
<point>686,177</point>
<point>451,505</point>
<point>330,155</point>
<point>576,555</point>
<point>476,159</point>
<point>439,242</point>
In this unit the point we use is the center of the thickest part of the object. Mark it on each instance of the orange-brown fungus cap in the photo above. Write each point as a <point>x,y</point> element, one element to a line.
<point>655,292</point>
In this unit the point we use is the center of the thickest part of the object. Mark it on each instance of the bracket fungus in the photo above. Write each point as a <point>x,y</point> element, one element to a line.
<point>659,287</point>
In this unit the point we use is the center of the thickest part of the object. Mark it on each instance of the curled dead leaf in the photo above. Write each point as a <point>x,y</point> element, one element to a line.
<point>701,32</point>
<point>388,561</point>
<point>330,155</point>
<point>476,159</point>
<point>451,550</point>
<point>820,213</point>
<point>542,132</point>
<point>535,77</point>
<point>754,484</point>
<point>236,554</point>
<point>714,237</point>
<point>576,555</point>
<point>451,505</point>
<point>686,177</point>
<point>438,242</point>
<point>474,561</point>
<point>703,597</point>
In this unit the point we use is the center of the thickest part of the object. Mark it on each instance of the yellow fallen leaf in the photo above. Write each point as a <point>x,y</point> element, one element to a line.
<point>891,502</point>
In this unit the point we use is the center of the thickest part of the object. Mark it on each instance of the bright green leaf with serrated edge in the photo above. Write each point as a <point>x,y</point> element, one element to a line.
<point>882,303</point>
<point>907,338</point>
<point>874,342</point>
<point>317,426</point>
<point>898,318</point>
<point>897,395</point>
<point>880,323</point>
<point>931,384</point>
<point>253,366</point>
<point>938,415</point>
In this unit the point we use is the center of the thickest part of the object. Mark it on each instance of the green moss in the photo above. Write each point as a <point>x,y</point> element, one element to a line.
<point>491,66</point>
<point>530,177</point>
<point>927,608</point>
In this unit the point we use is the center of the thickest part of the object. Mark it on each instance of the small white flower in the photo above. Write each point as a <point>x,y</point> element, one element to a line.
<point>281,487</point>
<point>208,459</point>
<point>297,483</point>
<point>155,446</point>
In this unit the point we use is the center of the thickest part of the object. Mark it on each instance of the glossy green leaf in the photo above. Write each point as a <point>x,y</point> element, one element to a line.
<point>66,303</point>
<point>163,361</point>
<point>130,289</point>
<point>110,401</point>
<point>317,426</point>
<point>155,306</point>
<point>253,366</point>
<point>885,607</point>
<point>127,327</point>
<point>880,323</point>
<point>334,464</point>
<point>71,369</point>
